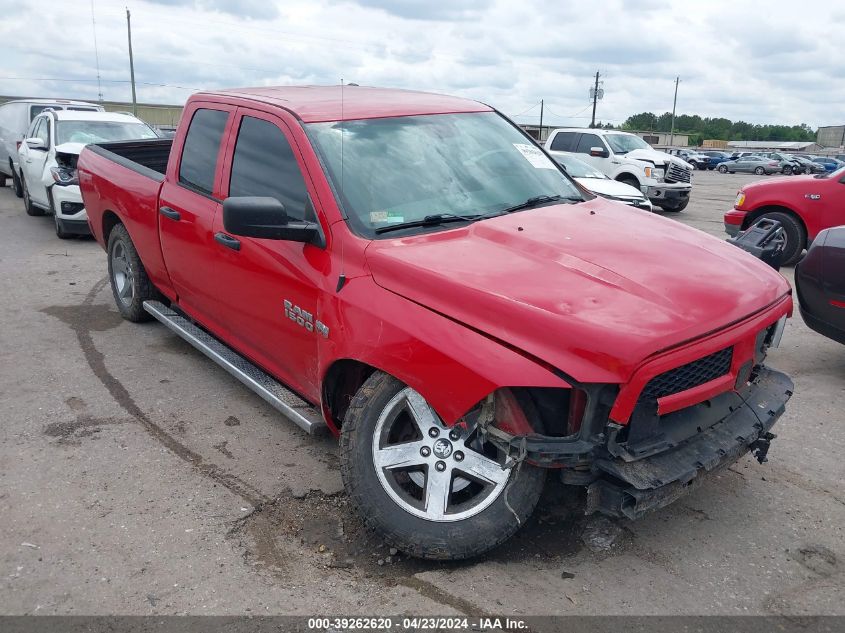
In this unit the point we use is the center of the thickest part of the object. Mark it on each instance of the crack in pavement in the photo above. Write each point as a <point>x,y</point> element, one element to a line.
<point>77,320</point>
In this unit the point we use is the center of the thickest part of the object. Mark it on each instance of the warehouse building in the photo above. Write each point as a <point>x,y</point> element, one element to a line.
<point>831,136</point>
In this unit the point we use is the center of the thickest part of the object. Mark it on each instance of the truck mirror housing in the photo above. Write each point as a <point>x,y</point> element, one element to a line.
<point>35,143</point>
<point>266,218</point>
<point>599,151</point>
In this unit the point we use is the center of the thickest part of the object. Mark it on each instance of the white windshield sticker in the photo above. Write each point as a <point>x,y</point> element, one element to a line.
<point>534,156</point>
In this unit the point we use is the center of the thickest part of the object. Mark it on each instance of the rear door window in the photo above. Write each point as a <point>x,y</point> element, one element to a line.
<point>264,165</point>
<point>202,145</point>
<point>587,142</point>
<point>564,142</point>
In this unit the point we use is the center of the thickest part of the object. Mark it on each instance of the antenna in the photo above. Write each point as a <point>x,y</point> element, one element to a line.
<point>341,280</point>
<point>96,52</point>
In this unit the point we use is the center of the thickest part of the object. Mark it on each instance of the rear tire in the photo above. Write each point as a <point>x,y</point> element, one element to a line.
<point>722,169</point>
<point>395,490</point>
<point>130,284</point>
<point>794,233</point>
<point>30,208</point>
<point>3,180</point>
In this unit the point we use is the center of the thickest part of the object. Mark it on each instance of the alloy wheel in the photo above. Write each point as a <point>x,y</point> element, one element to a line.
<point>432,471</point>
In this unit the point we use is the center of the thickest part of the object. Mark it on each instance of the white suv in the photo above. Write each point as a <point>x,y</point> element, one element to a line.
<point>15,119</point>
<point>48,156</point>
<point>664,179</point>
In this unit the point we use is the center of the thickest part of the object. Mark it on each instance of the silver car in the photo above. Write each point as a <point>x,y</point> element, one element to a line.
<point>752,164</point>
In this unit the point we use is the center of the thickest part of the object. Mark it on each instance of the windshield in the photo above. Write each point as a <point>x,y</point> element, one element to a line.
<point>402,169</point>
<point>100,131</point>
<point>578,168</point>
<point>623,143</point>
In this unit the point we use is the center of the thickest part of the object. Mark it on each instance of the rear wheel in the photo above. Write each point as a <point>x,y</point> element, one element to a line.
<point>130,284</point>
<point>794,236</point>
<point>723,169</point>
<point>430,491</point>
<point>2,180</point>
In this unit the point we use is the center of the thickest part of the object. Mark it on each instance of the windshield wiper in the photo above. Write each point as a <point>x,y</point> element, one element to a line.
<point>429,220</point>
<point>535,202</point>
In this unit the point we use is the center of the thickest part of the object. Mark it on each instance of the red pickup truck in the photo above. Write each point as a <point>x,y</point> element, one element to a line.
<point>412,272</point>
<point>805,206</point>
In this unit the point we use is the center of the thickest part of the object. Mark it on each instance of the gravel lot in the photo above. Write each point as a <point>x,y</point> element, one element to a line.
<point>138,478</point>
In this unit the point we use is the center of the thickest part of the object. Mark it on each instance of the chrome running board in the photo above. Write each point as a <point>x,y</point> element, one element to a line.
<point>279,397</point>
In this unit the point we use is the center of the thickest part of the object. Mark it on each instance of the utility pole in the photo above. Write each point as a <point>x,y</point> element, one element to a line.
<point>595,99</point>
<point>540,135</point>
<point>674,103</point>
<point>131,61</point>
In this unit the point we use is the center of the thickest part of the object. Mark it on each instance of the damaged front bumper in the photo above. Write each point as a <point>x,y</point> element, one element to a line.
<point>620,483</point>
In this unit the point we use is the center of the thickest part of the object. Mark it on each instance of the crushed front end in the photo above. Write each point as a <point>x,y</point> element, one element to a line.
<point>683,415</point>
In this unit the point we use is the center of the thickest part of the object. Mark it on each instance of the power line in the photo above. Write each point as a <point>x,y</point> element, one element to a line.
<point>526,111</point>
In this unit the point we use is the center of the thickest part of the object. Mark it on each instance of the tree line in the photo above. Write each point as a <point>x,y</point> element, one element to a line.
<point>700,128</point>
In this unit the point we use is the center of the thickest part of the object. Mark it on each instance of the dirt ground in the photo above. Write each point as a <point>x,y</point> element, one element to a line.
<point>138,478</point>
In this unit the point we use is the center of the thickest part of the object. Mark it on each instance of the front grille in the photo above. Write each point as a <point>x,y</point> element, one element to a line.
<point>676,173</point>
<point>687,376</point>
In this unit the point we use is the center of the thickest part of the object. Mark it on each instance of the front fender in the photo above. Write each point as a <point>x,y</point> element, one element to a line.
<point>452,366</point>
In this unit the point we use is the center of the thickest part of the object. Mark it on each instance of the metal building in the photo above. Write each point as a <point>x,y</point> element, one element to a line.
<point>832,136</point>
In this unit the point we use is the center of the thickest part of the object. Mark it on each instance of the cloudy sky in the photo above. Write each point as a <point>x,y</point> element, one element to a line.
<point>762,62</point>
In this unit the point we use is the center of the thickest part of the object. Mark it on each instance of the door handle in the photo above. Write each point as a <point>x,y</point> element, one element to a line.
<point>228,241</point>
<point>173,214</point>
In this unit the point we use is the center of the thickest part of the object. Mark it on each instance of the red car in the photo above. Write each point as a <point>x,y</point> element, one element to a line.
<point>412,272</point>
<point>804,206</point>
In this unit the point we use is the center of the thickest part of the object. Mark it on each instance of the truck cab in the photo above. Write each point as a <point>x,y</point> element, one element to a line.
<point>665,180</point>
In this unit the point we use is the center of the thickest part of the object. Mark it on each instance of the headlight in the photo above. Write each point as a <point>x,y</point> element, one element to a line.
<point>64,175</point>
<point>740,200</point>
<point>658,173</point>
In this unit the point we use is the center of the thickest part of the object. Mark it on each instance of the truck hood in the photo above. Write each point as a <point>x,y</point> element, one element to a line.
<point>655,157</point>
<point>592,289</point>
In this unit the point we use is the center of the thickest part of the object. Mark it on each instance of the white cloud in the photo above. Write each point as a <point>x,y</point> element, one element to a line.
<point>780,66</point>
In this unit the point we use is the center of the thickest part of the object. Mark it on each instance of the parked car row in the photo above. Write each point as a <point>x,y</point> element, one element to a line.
<point>40,142</point>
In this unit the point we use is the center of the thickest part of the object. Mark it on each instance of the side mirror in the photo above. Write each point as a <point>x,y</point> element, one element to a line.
<point>599,151</point>
<point>35,143</point>
<point>267,219</point>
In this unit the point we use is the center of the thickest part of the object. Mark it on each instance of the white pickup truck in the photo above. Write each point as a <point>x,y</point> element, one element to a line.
<point>665,180</point>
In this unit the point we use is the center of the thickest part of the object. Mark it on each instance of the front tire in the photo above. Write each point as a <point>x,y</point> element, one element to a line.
<point>16,183</point>
<point>795,237</point>
<point>675,208</point>
<point>759,171</point>
<point>430,491</point>
<point>60,232</point>
<point>30,208</point>
<point>130,284</point>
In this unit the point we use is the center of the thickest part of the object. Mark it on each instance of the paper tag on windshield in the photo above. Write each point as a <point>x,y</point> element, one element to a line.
<point>534,156</point>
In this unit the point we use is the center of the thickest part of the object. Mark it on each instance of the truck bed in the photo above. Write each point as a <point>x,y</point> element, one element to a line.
<point>147,157</point>
<point>123,179</point>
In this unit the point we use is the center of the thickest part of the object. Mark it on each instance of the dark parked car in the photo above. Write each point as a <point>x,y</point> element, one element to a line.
<point>808,166</point>
<point>716,157</point>
<point>820,284</point>
<point>753,164</point>
<point>829,164</point>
